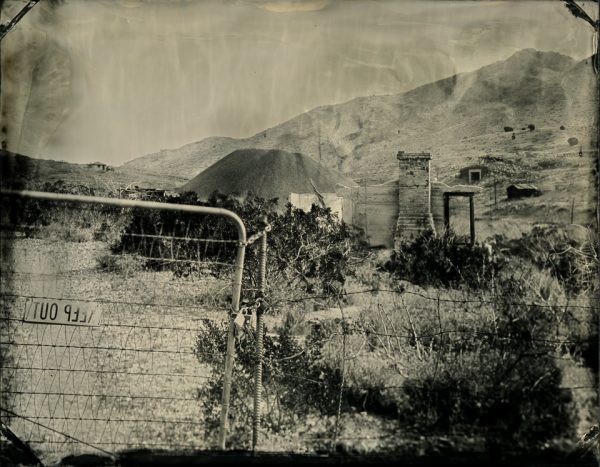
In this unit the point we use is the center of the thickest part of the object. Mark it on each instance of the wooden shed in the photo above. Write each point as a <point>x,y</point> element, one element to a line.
<point>522,191</point>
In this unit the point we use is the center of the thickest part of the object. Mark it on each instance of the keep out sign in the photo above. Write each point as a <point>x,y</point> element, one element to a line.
<point>55,311</point>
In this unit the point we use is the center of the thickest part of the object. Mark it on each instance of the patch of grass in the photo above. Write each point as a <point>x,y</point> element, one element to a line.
<point>127,265</point>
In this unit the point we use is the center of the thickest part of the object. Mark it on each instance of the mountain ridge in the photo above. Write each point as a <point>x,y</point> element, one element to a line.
<point>458,118</point>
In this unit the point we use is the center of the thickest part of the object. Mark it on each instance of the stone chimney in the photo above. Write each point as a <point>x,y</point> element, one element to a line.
<point>414,193</point>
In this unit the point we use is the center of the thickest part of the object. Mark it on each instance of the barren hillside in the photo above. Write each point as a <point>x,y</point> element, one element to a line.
<point>456,118</point>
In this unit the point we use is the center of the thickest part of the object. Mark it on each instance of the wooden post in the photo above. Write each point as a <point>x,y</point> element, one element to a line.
<point>446,212</point>
<point>491,209</point>
<point>472,218</point>
<point>366,215</point>
<point>572,210</point>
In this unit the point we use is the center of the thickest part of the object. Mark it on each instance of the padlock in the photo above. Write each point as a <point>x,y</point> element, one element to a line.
<point>239,320</point>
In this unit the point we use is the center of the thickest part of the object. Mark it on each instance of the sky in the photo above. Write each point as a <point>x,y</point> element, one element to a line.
<point>146,75</point>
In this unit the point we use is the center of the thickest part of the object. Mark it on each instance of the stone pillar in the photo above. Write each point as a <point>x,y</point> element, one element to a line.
<point>414,196</point>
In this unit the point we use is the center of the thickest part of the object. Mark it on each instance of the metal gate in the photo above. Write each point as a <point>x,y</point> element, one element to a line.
<point>101,303</point>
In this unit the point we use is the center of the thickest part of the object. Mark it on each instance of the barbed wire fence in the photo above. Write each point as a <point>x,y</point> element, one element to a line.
<point>378,344</point>
<point>126,365</point>
<point>102,302</point>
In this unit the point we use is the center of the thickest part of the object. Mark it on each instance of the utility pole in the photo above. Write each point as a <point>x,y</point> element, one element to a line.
<point>319,138</point>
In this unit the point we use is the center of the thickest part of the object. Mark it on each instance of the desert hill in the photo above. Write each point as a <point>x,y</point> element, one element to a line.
<point>267,173</point>
<point>457,119</point>
<point>20,171</point>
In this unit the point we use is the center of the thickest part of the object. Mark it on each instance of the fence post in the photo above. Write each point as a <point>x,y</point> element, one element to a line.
<point>572,210</point>
<point>235,305</point>
<point>495,195</point>
<point>343,377</point>
<point>262,279</point>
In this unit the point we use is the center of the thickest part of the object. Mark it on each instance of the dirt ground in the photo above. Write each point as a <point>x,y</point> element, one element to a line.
<point>131,381</point>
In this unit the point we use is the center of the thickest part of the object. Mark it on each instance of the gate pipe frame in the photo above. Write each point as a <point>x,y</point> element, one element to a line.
<point>155,205</point>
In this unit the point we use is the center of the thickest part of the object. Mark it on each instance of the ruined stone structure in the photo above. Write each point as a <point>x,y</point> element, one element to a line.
<point>305,201</point>
<point>399,209</point>
<point>473,174</point>
<point>414,195</point>
<point>372,209</point>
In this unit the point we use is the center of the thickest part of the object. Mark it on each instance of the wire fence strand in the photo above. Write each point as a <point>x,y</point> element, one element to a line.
<point>153,280</point>
<point>148,373</point>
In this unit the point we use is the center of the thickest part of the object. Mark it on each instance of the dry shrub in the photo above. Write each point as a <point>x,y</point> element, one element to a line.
<point>443,261</point>
<point>481,364</point>
<point>298,385</point>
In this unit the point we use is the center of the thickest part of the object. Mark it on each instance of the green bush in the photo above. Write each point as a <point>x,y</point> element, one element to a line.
<point>67,221</point>
<point>308,252</point>
<point>443,261</point>
<point>508,386</point>
<point>473,365</point>
<point>296,382</point>
<point>573,262</point>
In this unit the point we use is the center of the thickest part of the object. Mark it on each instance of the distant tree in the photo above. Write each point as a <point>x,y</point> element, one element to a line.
<point>513,136</point>
<point>531,127</point>
<point>562,127</point>
<point>508,129</point>
<point>573,141</point>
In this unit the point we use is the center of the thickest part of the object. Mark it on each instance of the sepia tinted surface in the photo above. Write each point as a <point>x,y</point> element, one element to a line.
<point>418,185</point>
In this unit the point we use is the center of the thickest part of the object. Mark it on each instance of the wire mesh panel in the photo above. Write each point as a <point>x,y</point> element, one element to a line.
<point>101,310</point>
